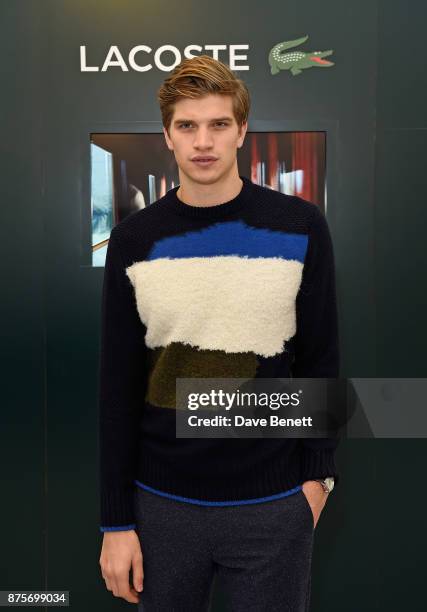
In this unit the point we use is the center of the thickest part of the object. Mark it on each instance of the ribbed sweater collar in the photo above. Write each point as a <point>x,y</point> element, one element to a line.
<point>213,211</point>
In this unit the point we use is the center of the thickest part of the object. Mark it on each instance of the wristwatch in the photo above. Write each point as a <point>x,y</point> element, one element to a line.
<point>327,483</point>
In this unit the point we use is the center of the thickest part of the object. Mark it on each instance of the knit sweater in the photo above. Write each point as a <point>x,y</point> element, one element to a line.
<point>241,289</point>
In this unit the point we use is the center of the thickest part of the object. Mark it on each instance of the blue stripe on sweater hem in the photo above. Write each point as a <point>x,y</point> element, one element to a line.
<point>123,528</point>
<point>240,502</point>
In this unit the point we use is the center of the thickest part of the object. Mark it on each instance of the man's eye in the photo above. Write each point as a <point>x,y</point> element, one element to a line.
<point>184,124</point>
<point>221,123</point>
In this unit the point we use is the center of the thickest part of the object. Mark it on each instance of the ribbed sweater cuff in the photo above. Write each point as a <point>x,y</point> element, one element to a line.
<point>319,464</point>
<point>117,510</point>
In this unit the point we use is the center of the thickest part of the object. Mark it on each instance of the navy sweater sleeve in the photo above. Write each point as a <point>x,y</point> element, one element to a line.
<point>316,339</point>
<point>121,379</point>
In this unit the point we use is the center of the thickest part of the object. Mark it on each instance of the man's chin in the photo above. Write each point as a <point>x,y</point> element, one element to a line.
<point>204,176</point>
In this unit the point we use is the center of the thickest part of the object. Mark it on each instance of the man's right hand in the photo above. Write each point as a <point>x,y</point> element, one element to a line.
<point>121,551</point>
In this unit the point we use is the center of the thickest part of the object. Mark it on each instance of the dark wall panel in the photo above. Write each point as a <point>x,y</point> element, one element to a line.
<point>24,539</point>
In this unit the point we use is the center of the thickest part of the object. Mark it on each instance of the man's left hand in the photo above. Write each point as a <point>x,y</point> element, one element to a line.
<point>316,497</point>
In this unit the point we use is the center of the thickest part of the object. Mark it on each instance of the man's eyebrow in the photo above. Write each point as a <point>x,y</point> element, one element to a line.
<point>192,120</point>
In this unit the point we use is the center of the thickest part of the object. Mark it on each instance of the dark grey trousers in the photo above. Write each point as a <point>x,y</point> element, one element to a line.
<point>260,553</point>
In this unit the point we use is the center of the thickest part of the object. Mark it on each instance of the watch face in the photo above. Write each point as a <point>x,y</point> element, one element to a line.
<point>329,483</point>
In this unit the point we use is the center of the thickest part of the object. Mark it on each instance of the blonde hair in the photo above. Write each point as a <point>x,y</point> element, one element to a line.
<point>197,77</point>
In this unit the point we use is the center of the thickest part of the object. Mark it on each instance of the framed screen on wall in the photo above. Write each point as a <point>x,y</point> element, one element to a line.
<point>130,171</point>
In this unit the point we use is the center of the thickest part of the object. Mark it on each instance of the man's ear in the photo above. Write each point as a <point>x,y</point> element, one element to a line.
<point>168,140</point>
<point>242,133</point>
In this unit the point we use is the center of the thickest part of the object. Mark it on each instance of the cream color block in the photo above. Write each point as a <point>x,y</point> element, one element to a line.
<point>228,303</point>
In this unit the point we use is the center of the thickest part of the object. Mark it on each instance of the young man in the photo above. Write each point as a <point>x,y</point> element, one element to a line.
<point>218,278</point>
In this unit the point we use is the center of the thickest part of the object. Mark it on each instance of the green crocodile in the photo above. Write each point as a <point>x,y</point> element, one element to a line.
<point>296,61</point>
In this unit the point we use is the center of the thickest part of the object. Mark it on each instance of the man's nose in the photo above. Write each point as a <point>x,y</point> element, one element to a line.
<point>203,138</point>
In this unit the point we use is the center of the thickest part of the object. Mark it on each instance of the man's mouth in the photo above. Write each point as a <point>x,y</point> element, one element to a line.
<point>206,160</point>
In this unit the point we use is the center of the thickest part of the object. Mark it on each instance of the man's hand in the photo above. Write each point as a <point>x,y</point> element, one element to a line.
<point>316,497</point>
<point>120,552</point>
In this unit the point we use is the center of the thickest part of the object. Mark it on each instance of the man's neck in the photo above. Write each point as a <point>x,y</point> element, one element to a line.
<point>198,194</point>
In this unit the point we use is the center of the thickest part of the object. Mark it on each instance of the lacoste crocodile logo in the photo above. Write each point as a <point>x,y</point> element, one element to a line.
<point>296,61</point>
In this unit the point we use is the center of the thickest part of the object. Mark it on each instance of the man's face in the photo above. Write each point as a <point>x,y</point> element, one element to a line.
<point>205,128</point>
